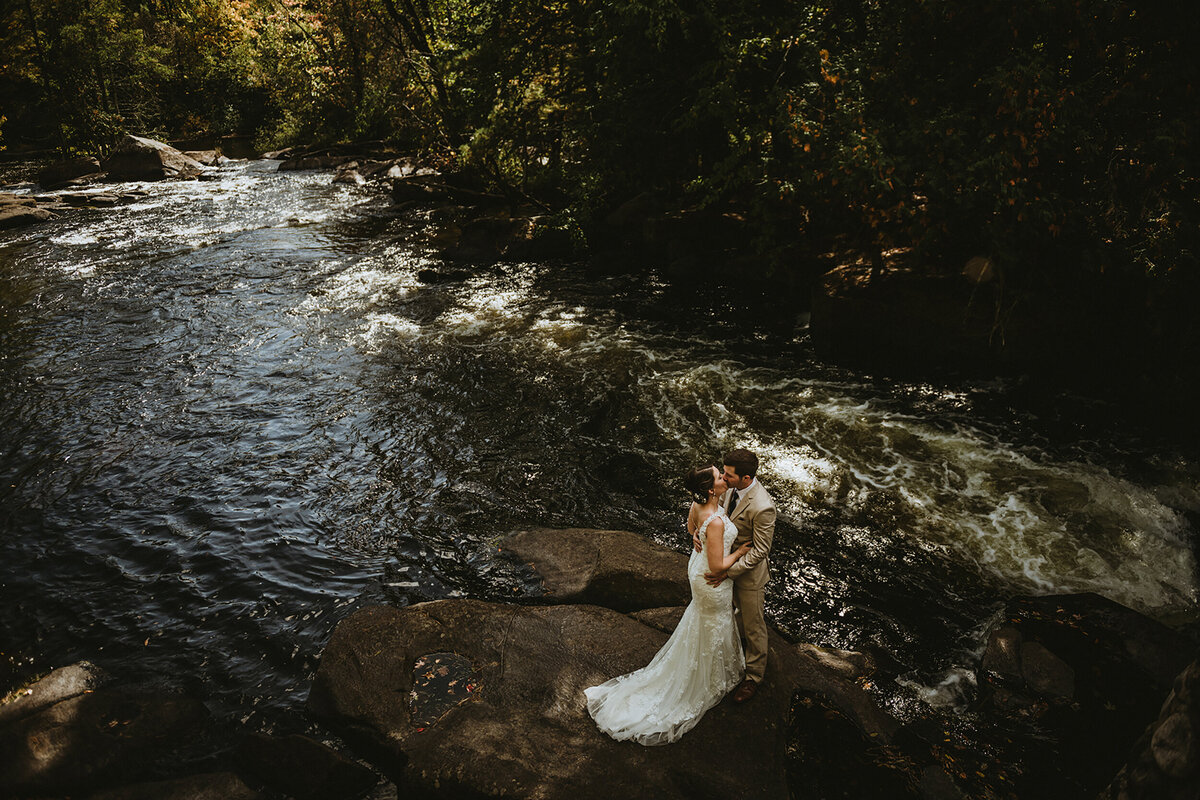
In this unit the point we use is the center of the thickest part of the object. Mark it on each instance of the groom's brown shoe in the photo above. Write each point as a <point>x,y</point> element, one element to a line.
<point>745,691</point>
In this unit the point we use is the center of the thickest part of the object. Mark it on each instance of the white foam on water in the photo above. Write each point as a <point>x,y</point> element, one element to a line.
<point>382,328</point>
<point>485,308</point>
<point>1041,525</point>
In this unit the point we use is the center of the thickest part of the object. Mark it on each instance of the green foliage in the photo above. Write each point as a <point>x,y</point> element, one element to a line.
<point>1057,138</point>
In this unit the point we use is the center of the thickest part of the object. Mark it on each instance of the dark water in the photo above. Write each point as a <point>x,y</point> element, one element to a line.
<point>232,414</point>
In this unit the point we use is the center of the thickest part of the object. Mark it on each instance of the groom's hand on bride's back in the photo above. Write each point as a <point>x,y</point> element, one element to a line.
<point>714,578</point>
<point>696,541</point>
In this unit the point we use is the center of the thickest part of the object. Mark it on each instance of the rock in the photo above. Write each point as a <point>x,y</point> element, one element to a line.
<point>94,738</point>
<point>236,146</point>
<point>615,569</point>
<point>16,216</point>
<point>1174,746</point>
<point>1092,674</point>
<point>847,663</point>
<point>77,199</point>
<point>207,786</point>
<point>518,725</point>
<point>61,684</point>
<point>103,200</point>
<point>10,199</point>
<point>209,158</point>
<point>1003,653</point>
<point>1046,673</point>
<point>1163,761</point>
<point>348,173</point>
<point>303,768</point>
<point>902,317</point>
<point>137,158</point>
<point>421,188</point>
<point>937,785</point>
<point>436,276</point>
<point>59,173</point>
<point>313,162</point>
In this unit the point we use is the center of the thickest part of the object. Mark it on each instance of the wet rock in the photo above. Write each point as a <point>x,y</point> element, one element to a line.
<point>304,768</point>
<point>1003,653</point>
<point>1045,672</point>
<point>61,684</point>
<point>10,199</point>
<point>60,173</point>
<point>207,786</point>
<point>103,200</point>
<point>1163,763</point>
<point>313,162</point>
<point>847,663</point>
<point>16,216</point>
<point>137,158</point>
<point>436,276</point>
<point>615,569</point>
<point>1092,675</point>
<point>937,785</point>
<point>1174,746</point>
<point>348,173</point>
<point>524,731</point>
<point>98,737</point>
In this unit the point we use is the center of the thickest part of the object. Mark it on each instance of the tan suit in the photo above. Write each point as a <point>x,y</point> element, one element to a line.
<point>754,519</point>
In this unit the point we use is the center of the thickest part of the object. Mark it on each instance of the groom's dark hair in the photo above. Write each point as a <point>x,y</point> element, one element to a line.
<point>744,462</point>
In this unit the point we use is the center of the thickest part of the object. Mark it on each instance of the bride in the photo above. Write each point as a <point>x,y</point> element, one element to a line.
<point>702,660</point>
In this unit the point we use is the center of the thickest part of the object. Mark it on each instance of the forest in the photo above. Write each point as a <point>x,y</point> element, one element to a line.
<point>1055,138</point>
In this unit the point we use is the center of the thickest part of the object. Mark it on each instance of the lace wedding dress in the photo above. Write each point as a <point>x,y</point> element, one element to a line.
<point>699,664</point>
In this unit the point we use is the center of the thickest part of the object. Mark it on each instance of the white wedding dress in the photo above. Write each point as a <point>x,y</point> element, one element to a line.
<point>699,664</point>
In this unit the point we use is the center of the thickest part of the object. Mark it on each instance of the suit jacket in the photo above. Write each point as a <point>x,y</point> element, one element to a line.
<point>754,519</point>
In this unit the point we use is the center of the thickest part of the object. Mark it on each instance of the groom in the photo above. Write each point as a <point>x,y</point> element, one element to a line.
<point>753,514</point>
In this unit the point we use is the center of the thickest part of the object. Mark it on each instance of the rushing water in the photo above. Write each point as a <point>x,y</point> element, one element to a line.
<point>232,414</point>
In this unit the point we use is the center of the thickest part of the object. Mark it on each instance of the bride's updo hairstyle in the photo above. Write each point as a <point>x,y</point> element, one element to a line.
<point>699,481</point>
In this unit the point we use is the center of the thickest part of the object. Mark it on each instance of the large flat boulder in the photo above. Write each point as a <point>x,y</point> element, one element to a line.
<point>137,158</point>
<point>616,569</point>
<point>462,697</point>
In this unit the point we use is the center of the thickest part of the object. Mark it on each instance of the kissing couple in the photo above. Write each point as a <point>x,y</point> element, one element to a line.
<point>732,523</point>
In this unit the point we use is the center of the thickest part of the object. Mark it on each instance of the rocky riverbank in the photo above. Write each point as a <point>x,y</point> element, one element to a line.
<point>467,698</point>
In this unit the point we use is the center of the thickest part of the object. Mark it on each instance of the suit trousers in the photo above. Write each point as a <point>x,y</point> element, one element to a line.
<point>754,629</point>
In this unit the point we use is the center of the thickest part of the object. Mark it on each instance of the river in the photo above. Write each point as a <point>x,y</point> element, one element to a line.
<point>233,414</point>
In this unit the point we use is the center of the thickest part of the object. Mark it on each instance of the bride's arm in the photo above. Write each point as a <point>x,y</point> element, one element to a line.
<point>715,547</point>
